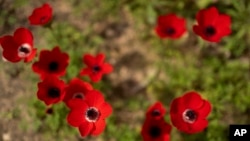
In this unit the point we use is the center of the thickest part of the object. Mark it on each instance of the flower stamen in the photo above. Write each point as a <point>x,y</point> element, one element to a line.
<point>53,66</point>
<point>169,31</point>
<point>24,50</point>
<point>43,19</point>
<point>156,112</point>
<point>53,92</point>
<point>78,95</point>
<point>96,68</point>
<point>92,114</point>
<point>154,131</point>
<point>189,116</point>
<point>210,31</point>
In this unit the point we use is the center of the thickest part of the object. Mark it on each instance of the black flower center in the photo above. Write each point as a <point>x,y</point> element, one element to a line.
<point>24,50</point>
<point>189,116</point>
<point>78,95</point>
<point>42,19</point>
<point>156,112</point>
<point>154,131</point>
<point>53,66</point>
<point>53,92</point>
<point>96,68</point>
<point>92,114</point>
<point>210,31</point>
<point>170,31</point>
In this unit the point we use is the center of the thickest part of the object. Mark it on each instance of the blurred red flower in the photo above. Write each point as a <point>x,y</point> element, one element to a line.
<point>188,113</point>
<point>52,62</point>
<point>96,67</point>
<point>41,15</point>
<point>76,89</point>
<point>212,26</point>
<point>1,38</point>
<point>170,26</point>
<point>51,90</point>
<point>155,130</point>
<point>19,46</point>
<point>89,114</point>
<point>156,111</point>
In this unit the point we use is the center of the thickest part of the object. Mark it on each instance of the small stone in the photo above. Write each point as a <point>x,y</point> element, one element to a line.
<point>6,137</point>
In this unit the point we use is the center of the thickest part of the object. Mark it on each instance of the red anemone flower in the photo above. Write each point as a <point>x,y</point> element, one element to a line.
<point>51,90</point>
<point>76,89</point>
<point>1,38</point>
<point>155,130</point>
<point>96,67</point>
<point>170,26</point>
<point>52,62</point>
<point>89,114</point>
<point>188,113</point>
<point>19,46</point>
<point>212,26</point>
<point>41,15</point>
<point>156,111</point>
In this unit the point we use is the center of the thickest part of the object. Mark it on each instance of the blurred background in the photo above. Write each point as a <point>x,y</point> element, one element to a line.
<point>146,68</point>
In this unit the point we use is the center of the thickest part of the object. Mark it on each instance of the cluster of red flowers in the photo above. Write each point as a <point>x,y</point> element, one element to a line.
<point>155,128</point>
<point>187,113</point>
<point>211,25</point>
<point>88,109</point>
